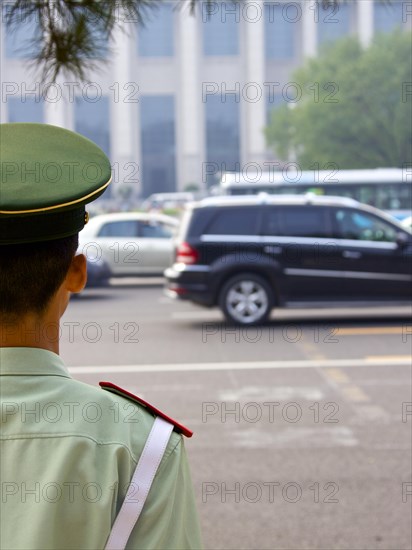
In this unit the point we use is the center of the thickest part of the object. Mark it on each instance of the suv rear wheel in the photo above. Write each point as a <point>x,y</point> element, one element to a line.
<point>246,299</point>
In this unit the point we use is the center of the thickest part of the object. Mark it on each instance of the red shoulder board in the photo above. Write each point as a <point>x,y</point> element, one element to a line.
<point>120,391</point>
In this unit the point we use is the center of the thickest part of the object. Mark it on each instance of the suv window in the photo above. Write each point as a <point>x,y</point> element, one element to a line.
<point>241,220</point>
<point>155,230</point>
<point>124,228</point>
<point>297,221</point>
<point>362,226</point>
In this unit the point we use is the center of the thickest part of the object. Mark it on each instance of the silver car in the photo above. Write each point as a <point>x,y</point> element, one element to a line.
<point>130,243</point>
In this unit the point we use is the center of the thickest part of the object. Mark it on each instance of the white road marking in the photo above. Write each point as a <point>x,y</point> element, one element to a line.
<point>318,437</point>
<point>384,382</point>
<point>137,281</point>
<point>374,413</point>
<point>271,393</point>
<point>202,315</point>
<point>388,358</point>
<point>171,387</point>
<point>250,365</point>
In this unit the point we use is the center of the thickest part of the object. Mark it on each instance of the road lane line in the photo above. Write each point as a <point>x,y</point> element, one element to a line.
<point>375,358</point>
<point>311,350</point>
<point>252,365</point>
<point>338,376</point>
<point>355,393</point>
<point>343,384</point>
<point>362,331</point>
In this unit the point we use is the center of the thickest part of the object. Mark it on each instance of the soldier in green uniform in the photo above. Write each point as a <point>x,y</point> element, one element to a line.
<point>81,467</point>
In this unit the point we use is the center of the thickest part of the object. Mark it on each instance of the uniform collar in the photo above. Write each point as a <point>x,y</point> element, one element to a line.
<point>31,362</point>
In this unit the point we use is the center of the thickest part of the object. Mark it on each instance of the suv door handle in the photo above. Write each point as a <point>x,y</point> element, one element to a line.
<point>270,249</point>
<point>352,254</point>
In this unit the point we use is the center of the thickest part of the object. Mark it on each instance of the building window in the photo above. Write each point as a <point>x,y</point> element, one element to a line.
<point>157,115</point>
<point>220,29</point>
<point>156,38</point>
<point>223,133</point>
<point>282,25</point>
<point>333,22</point>
<point>21,42</point>
<point>29,110</point>
<point>92,121</point>
<point>387,16</point>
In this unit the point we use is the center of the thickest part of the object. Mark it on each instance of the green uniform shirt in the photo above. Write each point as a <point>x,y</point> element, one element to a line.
<point>68,452</point>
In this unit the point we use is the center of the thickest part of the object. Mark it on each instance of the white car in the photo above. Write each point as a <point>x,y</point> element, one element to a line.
<point>130,244</point>
<point>167,200</point>
<point>407,223</point>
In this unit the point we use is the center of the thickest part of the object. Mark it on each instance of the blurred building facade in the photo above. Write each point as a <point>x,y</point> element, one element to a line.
<point>185,97</point>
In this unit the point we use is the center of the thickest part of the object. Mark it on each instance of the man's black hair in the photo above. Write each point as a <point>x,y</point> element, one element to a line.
<point>30,275</point>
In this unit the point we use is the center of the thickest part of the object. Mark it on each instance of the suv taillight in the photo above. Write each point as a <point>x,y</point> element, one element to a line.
<point>186,254</point>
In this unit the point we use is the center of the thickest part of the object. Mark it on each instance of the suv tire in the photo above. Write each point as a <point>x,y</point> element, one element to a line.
<point>246,299</point>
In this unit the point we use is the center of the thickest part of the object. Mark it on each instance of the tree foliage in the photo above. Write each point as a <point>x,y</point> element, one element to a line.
<point>355,109</point>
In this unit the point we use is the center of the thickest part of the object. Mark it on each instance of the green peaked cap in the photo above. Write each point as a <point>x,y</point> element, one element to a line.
<point>47,176</point>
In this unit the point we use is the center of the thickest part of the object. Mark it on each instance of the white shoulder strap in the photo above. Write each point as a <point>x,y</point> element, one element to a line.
<point>140,484</point>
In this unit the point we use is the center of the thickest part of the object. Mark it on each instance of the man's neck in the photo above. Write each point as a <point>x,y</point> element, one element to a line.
<point>31,332</point>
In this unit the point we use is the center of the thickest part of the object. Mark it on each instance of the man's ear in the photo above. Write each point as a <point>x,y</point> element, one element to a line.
<point>76,277</point>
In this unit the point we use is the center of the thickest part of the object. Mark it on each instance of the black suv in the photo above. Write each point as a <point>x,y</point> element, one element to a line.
<point>249,254</point>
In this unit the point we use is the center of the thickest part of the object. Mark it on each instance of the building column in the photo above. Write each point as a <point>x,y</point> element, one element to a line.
<point>364,19</point>
<point>57,110</point>
<point>189,106</point>
<point>254,92</point>
<point>310,15</point>
<point>124,117</point>
<point>3,110</point>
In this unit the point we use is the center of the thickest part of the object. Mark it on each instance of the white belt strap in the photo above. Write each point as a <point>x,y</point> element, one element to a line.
<point>140,484</point>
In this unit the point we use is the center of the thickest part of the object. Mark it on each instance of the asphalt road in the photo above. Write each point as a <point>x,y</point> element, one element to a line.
<point>302,427</point>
